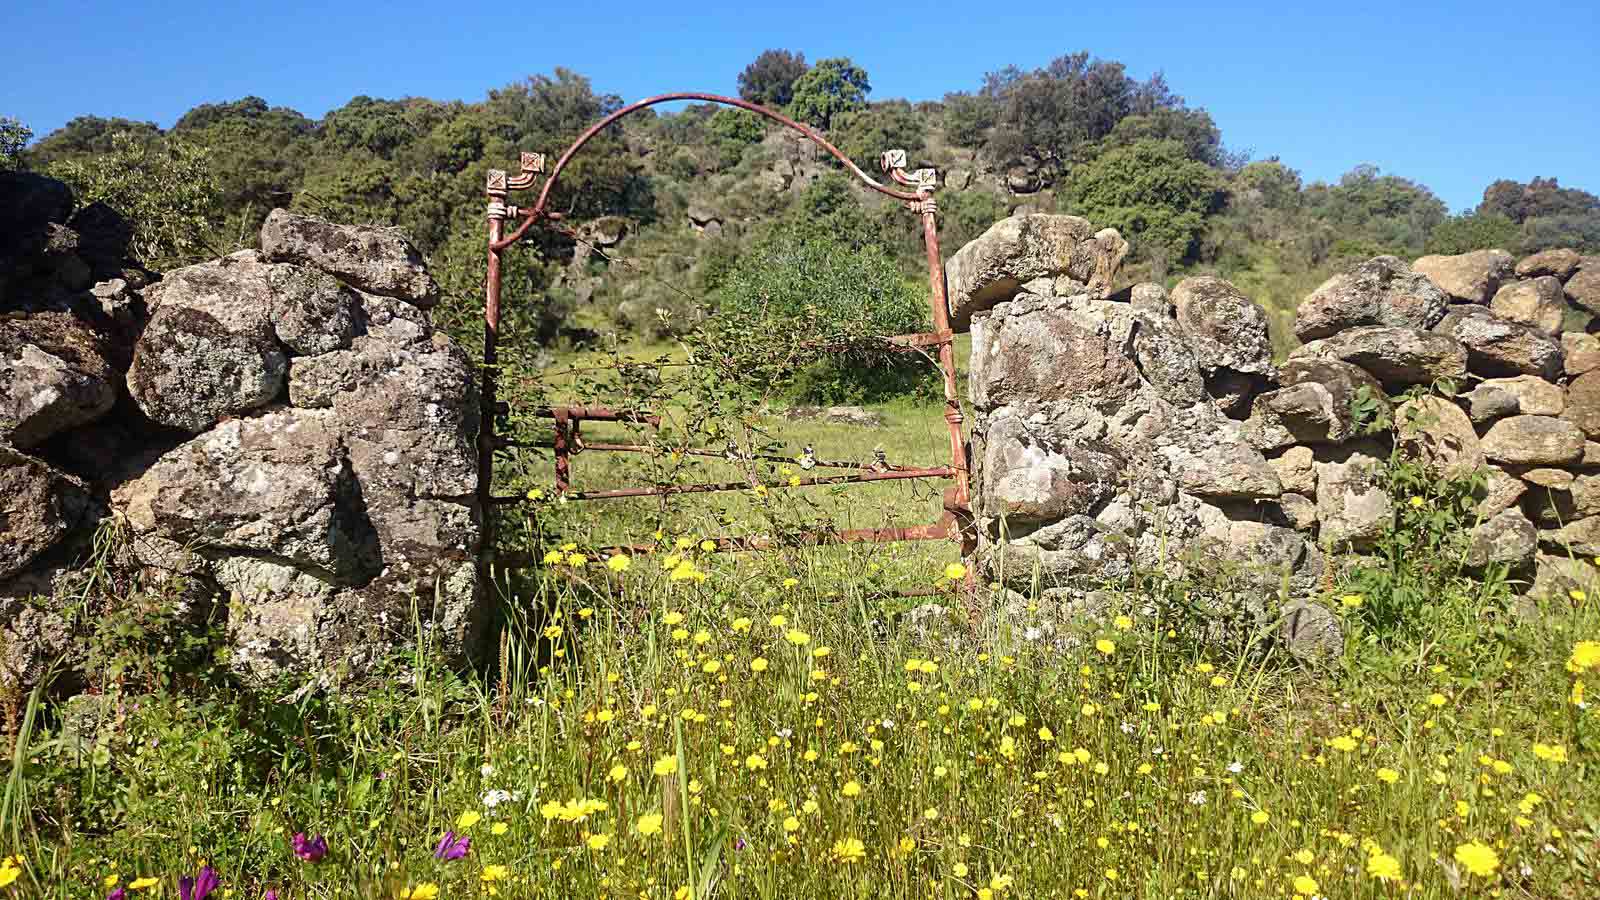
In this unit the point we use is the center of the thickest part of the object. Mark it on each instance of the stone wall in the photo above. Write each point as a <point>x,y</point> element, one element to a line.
<point>278,440</point>
<point>1142,430</point>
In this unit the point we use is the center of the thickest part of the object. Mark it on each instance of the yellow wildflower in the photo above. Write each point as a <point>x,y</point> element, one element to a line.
<point>849,850</point>
<point>1478,858</point>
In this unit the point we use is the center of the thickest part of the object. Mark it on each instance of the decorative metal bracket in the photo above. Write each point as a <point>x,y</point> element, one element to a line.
<point>532,165</point>
<point>499,185</point>
<point>923,181</point>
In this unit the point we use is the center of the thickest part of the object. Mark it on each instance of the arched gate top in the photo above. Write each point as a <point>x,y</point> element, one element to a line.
<point>893,161</point>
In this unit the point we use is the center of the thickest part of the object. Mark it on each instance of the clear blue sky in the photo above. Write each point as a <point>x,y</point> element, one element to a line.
<point>1454,95</point>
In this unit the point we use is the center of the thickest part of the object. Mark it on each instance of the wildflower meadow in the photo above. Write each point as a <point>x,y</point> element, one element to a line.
<point>688,723</point>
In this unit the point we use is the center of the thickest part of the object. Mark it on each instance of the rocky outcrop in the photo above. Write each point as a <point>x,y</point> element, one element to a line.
<point>282,429</point>
<point>54,375</point>
<point>377,260</point>
<point>1468,277</point>
<point>1101,425</point>
<point>1499,346</point>
<point>1021,249</point>
<point>1381,291</point>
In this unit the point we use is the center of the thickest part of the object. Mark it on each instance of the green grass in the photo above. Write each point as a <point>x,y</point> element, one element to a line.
<point>1157,756</point>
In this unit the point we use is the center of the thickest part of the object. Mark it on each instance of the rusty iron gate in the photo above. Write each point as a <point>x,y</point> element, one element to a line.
<point>954,524</point>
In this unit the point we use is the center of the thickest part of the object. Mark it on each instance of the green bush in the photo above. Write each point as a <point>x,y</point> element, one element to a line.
<point>805,314</point>
<point>1151,191</point>
<point>166,190</point>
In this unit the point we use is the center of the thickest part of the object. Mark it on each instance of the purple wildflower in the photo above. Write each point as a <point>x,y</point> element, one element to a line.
<point>200,886</point>
<point>118,894</point>
<point>452,847</point>
<point>270,895</point>
<point>738,843</point>
<point>310,849</point>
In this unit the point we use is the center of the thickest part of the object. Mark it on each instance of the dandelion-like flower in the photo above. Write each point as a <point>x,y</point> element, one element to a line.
<point>1585,656</point>
<point>1478,858</point>
<point>849,850</point>
<point>1383,867</point>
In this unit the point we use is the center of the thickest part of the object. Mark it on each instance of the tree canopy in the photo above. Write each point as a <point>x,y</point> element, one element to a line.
<point>769,79</point>
<point>832,87</point>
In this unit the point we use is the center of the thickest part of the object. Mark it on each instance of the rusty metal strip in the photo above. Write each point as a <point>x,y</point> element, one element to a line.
<point>928,339</point>
<point>597,414</point>
<point>700,452</point>
<point>936,531</point>
<point>668,490</point>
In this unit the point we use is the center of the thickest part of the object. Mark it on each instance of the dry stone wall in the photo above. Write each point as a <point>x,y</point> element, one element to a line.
<point>279,439</point>
<point>1148,430</point>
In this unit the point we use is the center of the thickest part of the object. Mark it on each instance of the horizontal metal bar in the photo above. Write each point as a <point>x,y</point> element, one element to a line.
<point>926,339</point>
<point>597,414</point>
<point>937,531</point>
<point>709,488</point>
<point>696,451</point>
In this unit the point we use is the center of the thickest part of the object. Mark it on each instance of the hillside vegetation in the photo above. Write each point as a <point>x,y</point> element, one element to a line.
<point>683,199</point>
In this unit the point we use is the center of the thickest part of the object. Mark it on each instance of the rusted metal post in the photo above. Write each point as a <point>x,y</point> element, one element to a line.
<point>496,190</point>
<point>563,447</point>
<point>947,351</point>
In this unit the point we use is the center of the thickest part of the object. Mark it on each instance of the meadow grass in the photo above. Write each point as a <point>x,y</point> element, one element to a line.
<point>690,723</point>
<point>770,732</point>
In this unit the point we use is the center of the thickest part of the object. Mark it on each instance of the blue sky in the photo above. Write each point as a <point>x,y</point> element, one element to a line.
<point>1454,95</point>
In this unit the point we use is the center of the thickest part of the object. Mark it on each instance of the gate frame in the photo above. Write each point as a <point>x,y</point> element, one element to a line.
<point>956,523</point>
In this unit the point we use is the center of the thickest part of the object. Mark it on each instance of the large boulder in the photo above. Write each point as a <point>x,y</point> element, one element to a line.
<point>1580,537</point>
<point>1397,357</point>
<point>1059,353</point>
<point>32,207</point>
<point>1485,403</point>
<point>1580,352</point>
<point>1380,291</point>
<point>209,350</point>
<point>1506,538</point>
<point>1352,506</point>
<point>221,335</point>
<point>274,485</point>
<point>1468,277</point>
<point>1027,481</point>
<point>1583,288</point>
<point>1296,469</point>
<point>377,260</point>
<point>993,267</point>
<point>1440,434</point>
<point>1561,263</point>
<point>1538,302</point>
<point>54,375</point>
<point>1228,328</point>
<point>1319,403</point>
<point>39,506</point>
<point>1533,396</point>
<point>1497,346</point>
<point>1534,441</point>
<point>1583,403</point>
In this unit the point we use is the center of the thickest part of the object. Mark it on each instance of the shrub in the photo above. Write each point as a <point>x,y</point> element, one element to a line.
<point>801,309</point>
